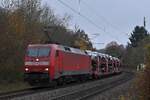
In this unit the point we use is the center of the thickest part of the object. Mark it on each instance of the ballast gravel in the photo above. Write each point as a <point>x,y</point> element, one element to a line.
<point>49,95</point>
<point>121,92</point>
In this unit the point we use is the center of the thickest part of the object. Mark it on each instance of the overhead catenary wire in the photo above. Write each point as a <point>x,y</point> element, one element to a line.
<point>85,17</point>
<point>103,18</point>
<point>99,16</point>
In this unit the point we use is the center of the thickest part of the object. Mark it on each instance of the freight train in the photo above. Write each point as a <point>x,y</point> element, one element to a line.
<point>46,63</point>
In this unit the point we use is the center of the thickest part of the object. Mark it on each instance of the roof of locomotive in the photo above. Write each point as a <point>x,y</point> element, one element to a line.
<point>71,49</point>
<point>60,47</point>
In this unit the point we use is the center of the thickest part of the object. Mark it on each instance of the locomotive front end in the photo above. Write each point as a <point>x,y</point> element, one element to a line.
<point>37,64</point>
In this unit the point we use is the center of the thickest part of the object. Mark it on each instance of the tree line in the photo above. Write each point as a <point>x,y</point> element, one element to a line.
<point>24,22</point>
<point>134,53</point>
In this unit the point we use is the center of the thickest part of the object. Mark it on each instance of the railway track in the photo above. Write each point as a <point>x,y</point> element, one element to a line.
<point>92,91</point>
<point>12,94</point>
<point>51,92</point>
<point>108,87</point>
<point>32,90</point>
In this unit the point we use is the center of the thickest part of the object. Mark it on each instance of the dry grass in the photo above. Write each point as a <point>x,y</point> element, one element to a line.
<point>8,87</point>
<point>141,85</point>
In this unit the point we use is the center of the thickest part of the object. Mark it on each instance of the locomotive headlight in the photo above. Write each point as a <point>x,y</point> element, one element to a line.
<point>26,69</point>
<point>46,69</point>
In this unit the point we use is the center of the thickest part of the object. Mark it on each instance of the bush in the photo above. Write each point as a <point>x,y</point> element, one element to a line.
<point>143,81</point>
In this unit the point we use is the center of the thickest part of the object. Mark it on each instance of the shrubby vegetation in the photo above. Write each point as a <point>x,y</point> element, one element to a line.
<point>137,52</point>
<point>141,86</point>
<point>145,87</point>
<point>26,21</point>
<point>134,53</point>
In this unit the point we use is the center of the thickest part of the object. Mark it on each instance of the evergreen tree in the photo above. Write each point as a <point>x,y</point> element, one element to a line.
<point>138,34</point>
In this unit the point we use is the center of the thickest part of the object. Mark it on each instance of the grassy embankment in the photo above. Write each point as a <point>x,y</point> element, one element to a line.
<point>140,89</point>
<point>11,80</point>
<point>8,87</point>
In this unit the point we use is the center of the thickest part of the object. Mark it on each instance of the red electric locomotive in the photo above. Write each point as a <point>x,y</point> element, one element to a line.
<point>52,62</point>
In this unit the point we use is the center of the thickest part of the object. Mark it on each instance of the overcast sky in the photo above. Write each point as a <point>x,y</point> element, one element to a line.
<point>114,18</point>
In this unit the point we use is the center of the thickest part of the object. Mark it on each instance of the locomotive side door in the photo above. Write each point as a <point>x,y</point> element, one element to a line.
<point>58,64</point>
<point>60,60</point>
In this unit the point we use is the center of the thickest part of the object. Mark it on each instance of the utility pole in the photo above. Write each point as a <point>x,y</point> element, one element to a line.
<point>79,6</point>
<point>47,30</point>
<point>144,22</point>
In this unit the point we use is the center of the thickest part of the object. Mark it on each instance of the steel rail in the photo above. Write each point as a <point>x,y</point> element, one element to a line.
<point>29,91</point>
<point>84,94</point>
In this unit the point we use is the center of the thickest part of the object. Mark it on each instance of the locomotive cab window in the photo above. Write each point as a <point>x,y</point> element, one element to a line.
<point>38,52</point>
<point>32,52</point>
